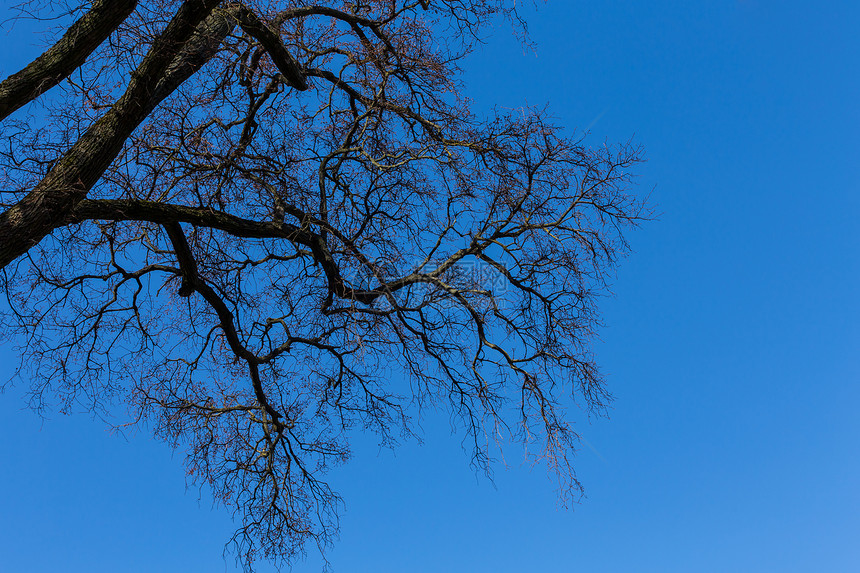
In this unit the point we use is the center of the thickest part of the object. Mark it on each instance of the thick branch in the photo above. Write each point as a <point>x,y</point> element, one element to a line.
<point>268,38</point>
<point>191,282</point>
<point>200,48</point>
<point>65,56</point>
<point>165,214</point>
<point>50,202</point>
<point>162,213</point>
<point>187,264</point>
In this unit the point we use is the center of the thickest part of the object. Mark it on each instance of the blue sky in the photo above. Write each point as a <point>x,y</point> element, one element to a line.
<point>730,342</point>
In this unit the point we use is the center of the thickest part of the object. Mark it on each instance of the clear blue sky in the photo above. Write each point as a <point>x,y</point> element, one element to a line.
<point>731,342</point>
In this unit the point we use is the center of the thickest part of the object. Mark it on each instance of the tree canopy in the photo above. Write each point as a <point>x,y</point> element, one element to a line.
<point>264,225</point>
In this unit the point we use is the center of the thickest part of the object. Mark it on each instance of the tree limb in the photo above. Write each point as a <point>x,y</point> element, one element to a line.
<point>268,38</point>
<point>191,282</point>
<point>165,214</point>
<point>31,219</point>
<point>65,56</point>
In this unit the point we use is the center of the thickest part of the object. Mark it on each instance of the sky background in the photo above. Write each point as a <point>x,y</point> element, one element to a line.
<point>730,342</point>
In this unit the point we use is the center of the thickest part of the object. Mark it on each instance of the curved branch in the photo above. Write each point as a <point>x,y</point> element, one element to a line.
<point>268,38</point>
<point>191,282</point>
<point>166,214</point>
<point>31,219</point>
<point>163,214</point>
<point>65,56</point>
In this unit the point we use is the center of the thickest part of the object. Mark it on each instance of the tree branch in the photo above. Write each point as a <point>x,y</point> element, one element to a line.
<point>268,38</point>
<point>49,203</point>
<point>165,214</point>
<point>65,56</point>
<point>191,282</point>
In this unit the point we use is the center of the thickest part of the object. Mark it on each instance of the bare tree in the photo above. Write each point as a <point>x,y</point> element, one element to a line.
<point>264,225</point>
